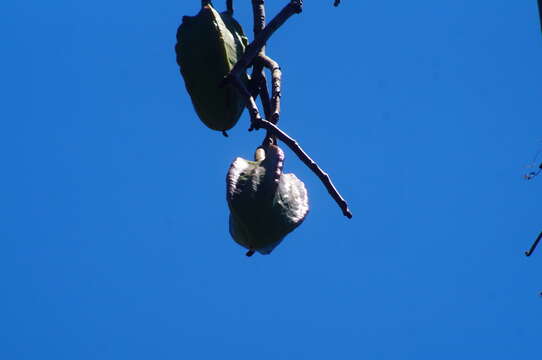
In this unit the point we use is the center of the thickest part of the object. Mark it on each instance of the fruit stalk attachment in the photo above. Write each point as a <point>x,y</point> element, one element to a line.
<point>254,54</point>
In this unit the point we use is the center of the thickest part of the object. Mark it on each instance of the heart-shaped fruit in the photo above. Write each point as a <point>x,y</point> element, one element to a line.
<point>208,46</point>
<point>265,204</point>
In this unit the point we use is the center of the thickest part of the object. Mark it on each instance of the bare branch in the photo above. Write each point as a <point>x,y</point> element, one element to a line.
<point>337,2</point>
<point>229,6</point>
<point>305,158</point>
<point>533,247</point>
<point>258,74</point>
<point>258,87</point>
<point>272,111</point>
<point>252,108</point>
<point>253,49</point>
<point>258,14</point>
<point>276,74</point>
<point>264,96</point>
<point>257,123</point>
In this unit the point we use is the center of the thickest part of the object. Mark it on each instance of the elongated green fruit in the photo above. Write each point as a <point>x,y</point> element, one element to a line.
<point>208,46</point>
<point>265,204</point>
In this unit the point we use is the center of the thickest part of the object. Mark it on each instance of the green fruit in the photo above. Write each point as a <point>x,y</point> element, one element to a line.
<point>208,46</point>
<point>265,204</point>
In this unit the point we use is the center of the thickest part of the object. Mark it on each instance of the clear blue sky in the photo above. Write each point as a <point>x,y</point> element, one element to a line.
<point>114,240</point>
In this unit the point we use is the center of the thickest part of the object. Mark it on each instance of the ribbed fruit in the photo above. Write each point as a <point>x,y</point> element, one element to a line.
<point>265,204</point>
<point>208,46</point>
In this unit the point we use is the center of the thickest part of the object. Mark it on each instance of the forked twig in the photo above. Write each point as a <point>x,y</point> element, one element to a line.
<point>271,110</point>
<point>258,75</point>
<point>258,123</point>
<point>533,247</point>
<point>256,50</point>
<point>253,49</point>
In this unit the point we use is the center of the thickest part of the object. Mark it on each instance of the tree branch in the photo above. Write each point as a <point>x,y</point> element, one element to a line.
<point>256,49</point>
<point>306,159</point>
<point>533,247</point>
<point>258,14</point>
<point>337,2</point>
<point>258,74</point>
<point>229,6</point>
<point>258,87</point>
<point>276,75</point>
<point>253,49</point>
<point>257,123</point>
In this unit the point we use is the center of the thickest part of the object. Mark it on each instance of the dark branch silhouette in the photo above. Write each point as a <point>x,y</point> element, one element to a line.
<point>535,244</point>
<point>253,49</point>
<point>255,56</point>
<point>258,123</point>
<point>276,78</point>
<point>271,105</point>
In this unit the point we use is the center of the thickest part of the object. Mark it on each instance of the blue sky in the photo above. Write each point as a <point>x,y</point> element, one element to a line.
<point>114,231</point>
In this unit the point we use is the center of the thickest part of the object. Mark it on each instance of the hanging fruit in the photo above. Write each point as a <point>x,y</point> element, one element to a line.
<point>265,204</point>
<point>208,46</point>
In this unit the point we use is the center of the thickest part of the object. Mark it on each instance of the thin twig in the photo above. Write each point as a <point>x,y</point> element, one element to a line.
<point>266,103</point>
<point>253,49</point>
<point>271,110</point>
<point>306,159</point>
<point>533,247</point>
<point>229,6</point>
<point>276,75</point>
<point>258,122</point>
<point>258,14</point>
<point>258,74</point>
<point>250,103</point>
<point>258,87</point>
<point>264,96</point>
<point>256,49</point>
<point>540,12</point>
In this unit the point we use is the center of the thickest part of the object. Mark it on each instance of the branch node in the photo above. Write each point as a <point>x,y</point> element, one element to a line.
<point>255,54</point>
